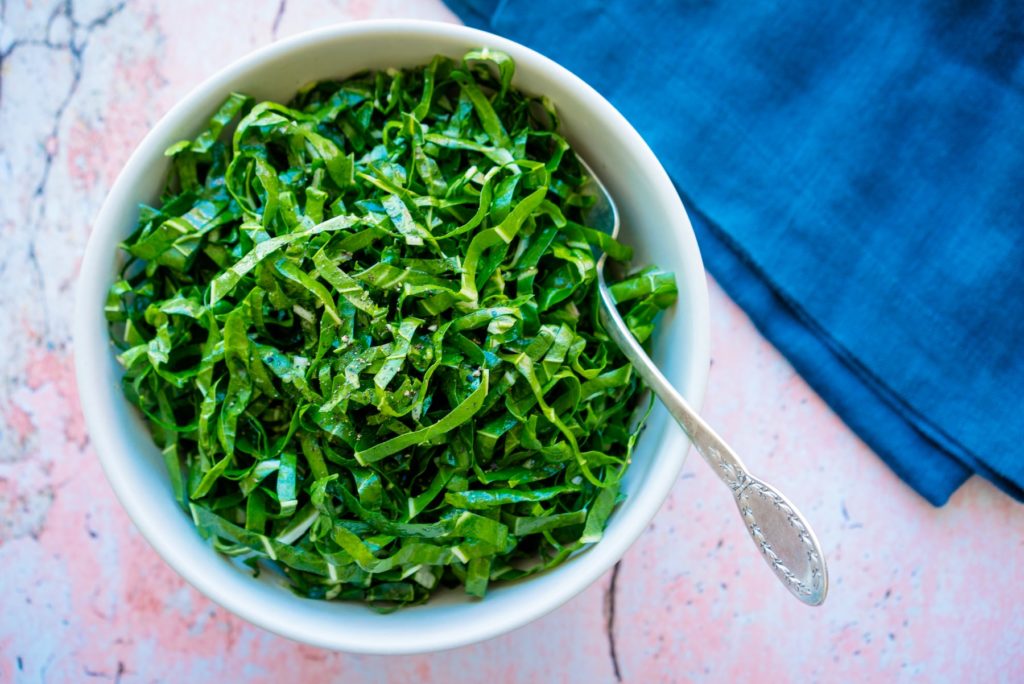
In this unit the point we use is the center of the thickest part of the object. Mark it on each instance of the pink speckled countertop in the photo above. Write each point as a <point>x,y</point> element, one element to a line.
<point>917,593</point>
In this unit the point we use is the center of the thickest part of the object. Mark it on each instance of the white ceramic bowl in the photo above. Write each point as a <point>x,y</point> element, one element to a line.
<point>654,223</point>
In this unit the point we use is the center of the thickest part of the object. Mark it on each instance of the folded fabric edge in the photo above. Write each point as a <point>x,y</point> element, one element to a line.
<point>475,13</point>
<point>883,427</point>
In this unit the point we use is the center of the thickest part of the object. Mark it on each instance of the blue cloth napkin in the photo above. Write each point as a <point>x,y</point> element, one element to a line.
<point>855,174</point>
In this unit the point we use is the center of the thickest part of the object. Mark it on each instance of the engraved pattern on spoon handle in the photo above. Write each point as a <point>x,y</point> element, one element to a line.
<point>777,528</point>
<point>785,540</point>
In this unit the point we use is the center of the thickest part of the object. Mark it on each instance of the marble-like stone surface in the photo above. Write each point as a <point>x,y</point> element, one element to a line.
<point>919,594</point>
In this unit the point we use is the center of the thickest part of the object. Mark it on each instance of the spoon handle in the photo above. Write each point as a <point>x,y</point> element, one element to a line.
<point>779,530</point>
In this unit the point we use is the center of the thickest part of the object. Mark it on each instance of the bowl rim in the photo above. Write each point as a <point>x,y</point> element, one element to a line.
<point>90,338</point>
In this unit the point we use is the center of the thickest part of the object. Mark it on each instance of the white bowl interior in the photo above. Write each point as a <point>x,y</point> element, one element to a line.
<point>654,223</point>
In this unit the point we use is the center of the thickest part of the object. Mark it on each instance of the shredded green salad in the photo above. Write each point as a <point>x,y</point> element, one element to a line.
<point>363,328</point>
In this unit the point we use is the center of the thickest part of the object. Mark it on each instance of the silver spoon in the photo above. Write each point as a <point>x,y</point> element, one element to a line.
<point>778,529</point>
